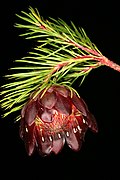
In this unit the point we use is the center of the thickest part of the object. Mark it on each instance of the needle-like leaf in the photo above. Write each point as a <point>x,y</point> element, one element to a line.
<point>62,54</point>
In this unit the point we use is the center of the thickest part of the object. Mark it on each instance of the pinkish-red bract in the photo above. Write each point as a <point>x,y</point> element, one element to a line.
<point>53,118</point>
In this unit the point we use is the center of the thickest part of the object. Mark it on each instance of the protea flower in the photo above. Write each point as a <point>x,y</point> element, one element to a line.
<point>54,114</point>
<point>53,118</point>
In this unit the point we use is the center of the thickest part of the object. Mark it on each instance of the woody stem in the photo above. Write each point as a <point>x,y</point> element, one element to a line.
<point>102,59</point>
<point>109,63</point>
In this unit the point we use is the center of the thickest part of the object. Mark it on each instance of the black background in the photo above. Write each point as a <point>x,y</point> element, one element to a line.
<point>99,154</point>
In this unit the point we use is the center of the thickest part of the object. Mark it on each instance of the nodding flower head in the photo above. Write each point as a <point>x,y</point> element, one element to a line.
<point>53,118</point>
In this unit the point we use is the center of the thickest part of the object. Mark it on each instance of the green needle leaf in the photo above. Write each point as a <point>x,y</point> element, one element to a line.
<point>62,54</point>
